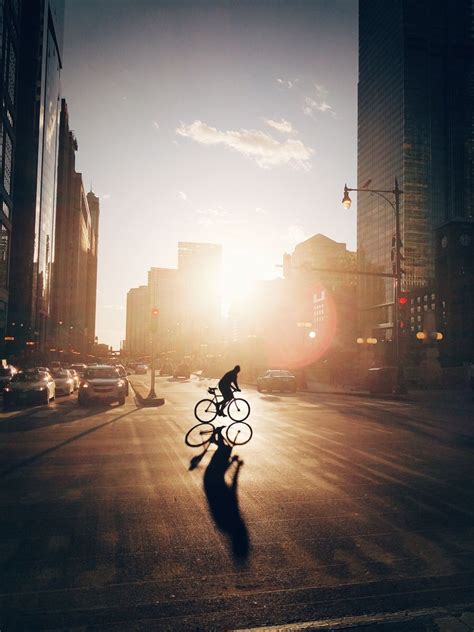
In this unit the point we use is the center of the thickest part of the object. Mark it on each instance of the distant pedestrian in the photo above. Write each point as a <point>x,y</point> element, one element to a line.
<point>227,386</point>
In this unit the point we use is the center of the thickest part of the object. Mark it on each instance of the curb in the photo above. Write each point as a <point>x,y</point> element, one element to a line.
<point>146,402</point>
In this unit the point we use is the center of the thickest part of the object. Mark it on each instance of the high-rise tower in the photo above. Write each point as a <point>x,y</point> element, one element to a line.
<point>416,123</point>
<point>35,172</point>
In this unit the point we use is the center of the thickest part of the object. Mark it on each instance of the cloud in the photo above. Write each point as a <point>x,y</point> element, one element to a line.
<point>287,83</point>
<point>182,196</point>
<point>107,196</point>
<point>156,126</point>
<point>212,216</point>
<point>259,146</point>
<point>261,211</point>
<point>318,103</point>
<point>283,126</point>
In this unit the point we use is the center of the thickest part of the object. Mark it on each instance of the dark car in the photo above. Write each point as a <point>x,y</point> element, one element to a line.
<point>29,387</point>
<point>276,380</point>
<point>141,369</point>
<point>166,369</point>
<point>6,374</point>
<point>182,370</point>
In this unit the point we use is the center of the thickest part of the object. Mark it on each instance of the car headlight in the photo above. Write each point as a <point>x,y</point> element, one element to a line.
<point>84,385</point>
<point>41,388</point>
<point>120,383</point>
<point>7,389</point>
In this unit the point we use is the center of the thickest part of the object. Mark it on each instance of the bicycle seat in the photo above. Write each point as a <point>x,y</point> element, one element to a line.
<point>211,390</point>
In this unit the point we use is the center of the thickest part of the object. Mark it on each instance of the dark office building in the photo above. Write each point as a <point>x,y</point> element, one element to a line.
<point>74,283</point>
<point>9,39</point>
<point>455,287</point>
<point>416,123</point>
<point>35,171</point>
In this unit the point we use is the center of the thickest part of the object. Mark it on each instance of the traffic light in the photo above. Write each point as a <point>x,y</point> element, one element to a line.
<point>403,311</point>
<point>155,312</point>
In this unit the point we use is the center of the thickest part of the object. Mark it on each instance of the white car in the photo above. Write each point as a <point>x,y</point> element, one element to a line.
<point>75,377</point>
<point>29,387</point>
<point>101,383</point>
<point>64,382</point>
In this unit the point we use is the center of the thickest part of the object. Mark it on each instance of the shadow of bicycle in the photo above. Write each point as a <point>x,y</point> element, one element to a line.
<point>222,498</point>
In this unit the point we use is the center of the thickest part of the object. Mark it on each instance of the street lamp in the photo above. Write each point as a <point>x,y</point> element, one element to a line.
<point>396,192</point>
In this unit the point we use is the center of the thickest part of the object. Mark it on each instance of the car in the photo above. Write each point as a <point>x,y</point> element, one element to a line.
<point>79,368</point>
<point>64,381</point>
<point>123,374</point>
<point>141,369</point>
<point>276,380</point>
<point>6,374</point>
<point>166,369</point>
<point>101,383</point>
<point>75,377</point>
<point>30,387</point>
<point>182,370</point>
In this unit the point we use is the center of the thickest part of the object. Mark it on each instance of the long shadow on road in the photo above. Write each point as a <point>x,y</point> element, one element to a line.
<point>53,448</point>
<point>223,501</point>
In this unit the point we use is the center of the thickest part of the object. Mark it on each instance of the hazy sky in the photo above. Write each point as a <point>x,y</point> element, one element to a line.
<point>228,122</point>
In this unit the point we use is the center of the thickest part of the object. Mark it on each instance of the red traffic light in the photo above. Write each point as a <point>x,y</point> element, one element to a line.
<point>403,300</point>
<point>155,312</point>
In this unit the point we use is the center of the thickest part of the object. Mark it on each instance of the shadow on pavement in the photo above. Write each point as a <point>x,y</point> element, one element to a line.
<point>53,448</point>
<point>223,501</point>
<point>24,421</point>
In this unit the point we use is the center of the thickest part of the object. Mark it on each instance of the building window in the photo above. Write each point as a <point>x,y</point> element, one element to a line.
<point>7,170</point>
<point>4,245</point>
<point>11,73</point>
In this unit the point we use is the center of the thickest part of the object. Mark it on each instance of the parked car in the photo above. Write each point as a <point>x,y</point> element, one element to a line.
<point>29,387</point>
<point>6,374</point>
<point>75,377</point>
<point>141,369</point>
<point>101,383</point>
<point>79,368</point>
<point>166,369</point>
<point>64,381</point>
<point>276,380</point>
<point>123,374</point>
<point>182,370</point>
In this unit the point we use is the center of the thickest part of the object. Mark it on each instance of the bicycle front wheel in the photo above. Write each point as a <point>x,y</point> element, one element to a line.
<point>199,435</point>
<point>205,410</point>
<point>238,409</point>
<point>239,433</point>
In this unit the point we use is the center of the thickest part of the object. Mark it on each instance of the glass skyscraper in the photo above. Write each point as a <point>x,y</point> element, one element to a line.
<point>415,123</point>
<point>35,172</point>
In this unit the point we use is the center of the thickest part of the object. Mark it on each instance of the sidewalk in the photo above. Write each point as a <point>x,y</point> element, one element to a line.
<point>456,619</point>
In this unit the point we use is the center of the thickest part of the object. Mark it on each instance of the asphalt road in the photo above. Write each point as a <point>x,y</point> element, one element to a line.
<point>338,507</point>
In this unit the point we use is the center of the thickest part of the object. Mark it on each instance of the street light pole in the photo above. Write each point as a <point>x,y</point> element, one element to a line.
<point>396,192</point>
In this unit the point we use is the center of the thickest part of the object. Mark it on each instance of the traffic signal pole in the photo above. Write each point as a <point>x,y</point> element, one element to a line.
<point>153,326</point>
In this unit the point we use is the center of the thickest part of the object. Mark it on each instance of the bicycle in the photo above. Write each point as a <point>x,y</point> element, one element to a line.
<point>237,433</point>
<point>205,410</point>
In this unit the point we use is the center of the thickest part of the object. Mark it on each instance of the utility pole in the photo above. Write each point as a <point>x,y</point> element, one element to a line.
<point>155,312</point>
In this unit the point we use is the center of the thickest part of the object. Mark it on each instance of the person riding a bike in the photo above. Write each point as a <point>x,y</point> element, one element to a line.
<point>227,386</point>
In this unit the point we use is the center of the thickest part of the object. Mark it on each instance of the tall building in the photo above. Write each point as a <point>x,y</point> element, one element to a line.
<point>164,294</point>
<point>200,272</point>
<point>415,123</point>
<point>35,171</point>
<point>92,262</point>
<point>74,283</point>
<point>10,38</point>
<point>137,337</point>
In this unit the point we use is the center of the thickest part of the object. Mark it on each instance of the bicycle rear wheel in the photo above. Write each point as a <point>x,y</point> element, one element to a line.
<point>199,435</point>
<point>238,409</point>
<point>239,433</point>
<point>205,410</point>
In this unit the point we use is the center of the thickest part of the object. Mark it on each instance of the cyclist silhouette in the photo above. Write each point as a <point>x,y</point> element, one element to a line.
<point>227,385</point>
